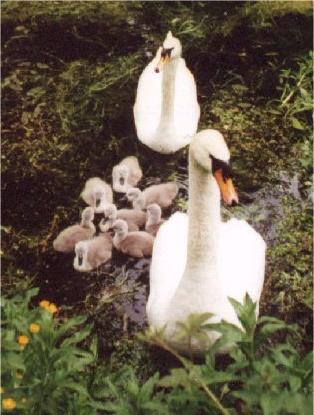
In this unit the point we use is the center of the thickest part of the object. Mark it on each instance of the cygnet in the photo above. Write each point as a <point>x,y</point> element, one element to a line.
<point>97,193</point>
<point>154,220</point>
<point>134,218</point>
<point>162,194</point>
<point>126,174</point>
<point>66,240</point>
<point>137,244</point>
<point>92,253</point>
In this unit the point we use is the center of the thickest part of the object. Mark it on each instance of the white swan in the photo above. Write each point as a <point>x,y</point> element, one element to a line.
<point>199,261</point>
<point>166,111</point>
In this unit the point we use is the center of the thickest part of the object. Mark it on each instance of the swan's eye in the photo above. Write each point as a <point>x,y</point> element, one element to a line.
<point>166,52</point>
<point>223,166</point>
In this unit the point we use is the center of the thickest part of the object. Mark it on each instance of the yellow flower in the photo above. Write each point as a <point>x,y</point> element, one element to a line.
<point>2,389</point>
<point>34,328</point>
<point>44,304</point>
<point>24,400</point>
<point>19,375</point>
<point>52,308</point>
<point>8,404</point>
<point>23,340</point>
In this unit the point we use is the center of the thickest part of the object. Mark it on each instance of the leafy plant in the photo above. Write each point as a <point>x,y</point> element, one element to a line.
<point>43,367</point>
<point>131,398</point>
<point>296,92</point>
<point>260,378</point>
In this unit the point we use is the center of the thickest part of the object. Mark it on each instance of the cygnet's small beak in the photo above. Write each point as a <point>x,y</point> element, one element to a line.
<point>228,192</point>
<point>162,62</point>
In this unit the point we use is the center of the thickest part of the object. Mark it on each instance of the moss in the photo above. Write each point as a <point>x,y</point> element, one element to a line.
<point>288,289</point>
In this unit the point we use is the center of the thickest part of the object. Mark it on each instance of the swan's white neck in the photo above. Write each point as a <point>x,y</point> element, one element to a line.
<point>204,223</point>
<point>168,93</point>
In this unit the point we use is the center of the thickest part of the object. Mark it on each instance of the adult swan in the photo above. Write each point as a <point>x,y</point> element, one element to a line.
<point>166,111</point>
<point>199,261</point>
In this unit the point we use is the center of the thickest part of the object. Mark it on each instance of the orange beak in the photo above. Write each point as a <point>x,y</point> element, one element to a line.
<point>228,192</point>
<point>163,60</point>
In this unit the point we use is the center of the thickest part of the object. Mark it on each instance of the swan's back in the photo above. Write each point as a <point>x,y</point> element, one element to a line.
<point>167,266</point>
<point>241,260</point>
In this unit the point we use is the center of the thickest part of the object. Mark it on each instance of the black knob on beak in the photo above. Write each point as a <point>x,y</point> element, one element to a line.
<point>157,70</point>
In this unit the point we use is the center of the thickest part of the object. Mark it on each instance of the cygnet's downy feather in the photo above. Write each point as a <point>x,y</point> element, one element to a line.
<point>66,240</point>
<point>92,253</point>
<point>126,174</point>
<point>97,193</point>
<point>163,194</point>
<point>137,244</point>
<point>154,220</point>
<point>133,217</point>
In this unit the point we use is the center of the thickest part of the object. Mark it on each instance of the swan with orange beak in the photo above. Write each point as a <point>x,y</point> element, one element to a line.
<point>198,261</point>
<point>166,111</point>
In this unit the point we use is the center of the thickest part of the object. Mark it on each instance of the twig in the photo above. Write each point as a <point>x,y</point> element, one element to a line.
<point>159,342</point>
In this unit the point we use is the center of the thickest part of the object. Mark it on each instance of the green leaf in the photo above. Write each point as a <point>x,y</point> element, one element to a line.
<point>177,377</point>
<point>94,346</point>
<point>77,337</point>
<point>296,124</point>
<point>74,321</point>
<point>14,360</point>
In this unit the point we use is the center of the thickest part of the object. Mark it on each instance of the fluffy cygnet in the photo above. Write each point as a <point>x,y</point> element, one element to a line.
<point>136,244</point>
<point>154,220</point>
<point>126,174</point>
<point>97,193</point>
<point>66,240</point>
<point>162,194</point>
<point>92,253</point>
<point>133,217</point>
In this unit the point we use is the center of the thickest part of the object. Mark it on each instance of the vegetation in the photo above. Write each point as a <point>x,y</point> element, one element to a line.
<point>69,72</point>
<point>46,371</point>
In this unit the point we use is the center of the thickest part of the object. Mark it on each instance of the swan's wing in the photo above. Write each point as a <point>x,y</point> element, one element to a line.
<point>186,107</point>
<point>167,266</point>
<point>147,107</point>
<point>241,260</point>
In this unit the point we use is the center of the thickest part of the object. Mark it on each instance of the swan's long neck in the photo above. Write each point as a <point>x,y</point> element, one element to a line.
<point>204,223</point>
<point>168,92</point>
